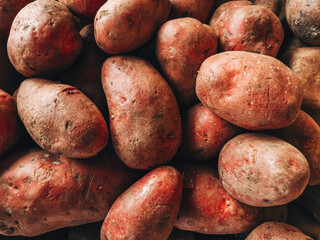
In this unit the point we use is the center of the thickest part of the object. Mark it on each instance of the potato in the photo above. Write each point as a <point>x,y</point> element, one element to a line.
<point>41,192</point>
<point>61,119</point>
<point>206,206</point>
<point>43,39</point>
<point>263,171</point>
<point>247,27</point>
<point>303,19</point>
<point>181,47</point>
<point>145,122</point>
<point>121,26</point>
<point>250,90</point>
<point>273,5</point>
<point>204,133</point>
<point>277,231</point>
<point>10,126</point>
<point>148,209</point>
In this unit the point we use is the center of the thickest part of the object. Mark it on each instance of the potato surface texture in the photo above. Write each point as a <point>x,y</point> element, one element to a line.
<point>61,119</point>
<point>145,122</point>
<point>262,171</point>
<point>41,192</point>
<point>148,209</point>
<point>122,26</point>
<point>43,39</point>
<point>250,90</point>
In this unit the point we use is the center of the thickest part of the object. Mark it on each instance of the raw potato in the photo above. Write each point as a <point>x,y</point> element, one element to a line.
<point>145,122</point>
<point>41,192</point>
<point>262,171</point>
<point>181,47</point>
<point>207,208</point>
<point>148,209</point>
<point>273,5</point>
<point>277,231</point>
<point>43,39</point>
<point>122,26</point>
<point>250,90</point>
<point>61,119</point>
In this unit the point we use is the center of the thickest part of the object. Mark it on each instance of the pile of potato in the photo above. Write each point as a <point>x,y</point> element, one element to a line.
<point>155,120</point>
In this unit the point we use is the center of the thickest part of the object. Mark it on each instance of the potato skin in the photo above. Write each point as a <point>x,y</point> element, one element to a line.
<point>40,192</point>
<point>148,209</point>
<point>263,171</point>
<point>274,5</point>
<point>61,119</point>
<point>207,208</point>
<point>181,47</point>
<point>43,39</point>
<point>145,122</point>
<point>122,26</point>
<point>250,90</point>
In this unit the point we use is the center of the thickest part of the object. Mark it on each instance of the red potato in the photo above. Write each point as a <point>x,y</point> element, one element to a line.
<point>206,206</point>
<point>250,90</point>
<point>148,209</point>
<point>274,5</point>
<point>181,47</point>
<point>263,171</point>
<point>43,39</point>
<point>145,122</point>
<point>204,133</point>
<point>61,119</point>
<point>40,192</point>
<point>121,26</point>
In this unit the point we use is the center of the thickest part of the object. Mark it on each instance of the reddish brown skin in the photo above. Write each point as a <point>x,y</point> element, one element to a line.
<point>122,26</point>
<point>304,134</point>
<point>197,9</point>
<point>43,39</point>
<point>207,208</point>
<point>181,47</point>
<point>145,122</point>
<point>303,19</point>
<point>263,171</point>
<point>250,90</point>
<point>148,209</point>
<point>10,127</point>
<point>86,9</point>
<point>277,231</point>
<point>246,27</point>
<point>273,5</point>
<point>61,119</point>
<point>41,192</point>
<point>204,133</point>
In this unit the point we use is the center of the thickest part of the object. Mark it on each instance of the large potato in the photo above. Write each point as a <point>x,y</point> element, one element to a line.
<point>145,122</point>
<point>61,119</point>
<point>250,90</point>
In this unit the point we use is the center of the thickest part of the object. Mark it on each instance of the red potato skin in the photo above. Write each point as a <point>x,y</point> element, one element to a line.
<point>61,119</point>
<point>145,122</point>
<point>263,171</point>
<point>148,209</point>
<point>41,192</point>
<point>181,47</point>
<point>274,5</point>
<point>121,26</point>
<point>43,39</point>
<point>207,208</point>
<point>204,133</point>
<point>250,90</point>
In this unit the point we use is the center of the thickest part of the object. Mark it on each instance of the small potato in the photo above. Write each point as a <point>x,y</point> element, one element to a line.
<point>145,122</point>
<point>277,231</point>
<point>148,209</point>
<point>250,90</point>
<point>43,39</point>
<point>263,171</point>
<point>181,47</point>
<point>61,119</point>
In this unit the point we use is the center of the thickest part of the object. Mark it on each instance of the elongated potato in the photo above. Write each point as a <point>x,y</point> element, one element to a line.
<point>61,119</point>
<point>145,122</point>
<point>148,209</point>
<point>40,192</point>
